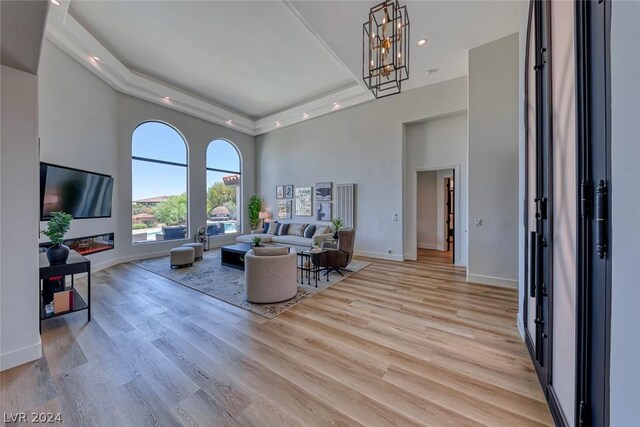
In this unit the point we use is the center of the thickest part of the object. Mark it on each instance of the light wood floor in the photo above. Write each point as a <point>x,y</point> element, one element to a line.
<point>395,344</point>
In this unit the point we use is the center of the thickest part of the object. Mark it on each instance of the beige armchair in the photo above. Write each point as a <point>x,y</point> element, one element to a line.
<point>340,255</point>
<point>270,279</point>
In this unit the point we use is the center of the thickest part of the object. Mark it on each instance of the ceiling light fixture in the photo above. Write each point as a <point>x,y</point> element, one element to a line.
<point>422,42</point>
<point>385,56</point>
<point>229,122</point>
<point>95,58</point>
<point>305,115</point>
<point>336,105</point>
<point>277,124</point>
<point>55,2</point>
<point>166,98</point>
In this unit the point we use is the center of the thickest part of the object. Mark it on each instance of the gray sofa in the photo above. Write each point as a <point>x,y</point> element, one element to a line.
<point>285,240</point>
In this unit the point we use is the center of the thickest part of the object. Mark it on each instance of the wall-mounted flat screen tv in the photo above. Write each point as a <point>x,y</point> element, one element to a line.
<point>79,193</point>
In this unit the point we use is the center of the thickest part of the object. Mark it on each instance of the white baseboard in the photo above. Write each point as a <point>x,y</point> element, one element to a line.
<point>492,281</point>
<point>21,356</point>
<point>433,246</point>
<point>379,255</point>
<point>520,325</point>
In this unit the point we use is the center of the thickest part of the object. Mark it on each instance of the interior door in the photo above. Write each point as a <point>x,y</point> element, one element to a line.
<point>450,216</point>
<point>594,173</point>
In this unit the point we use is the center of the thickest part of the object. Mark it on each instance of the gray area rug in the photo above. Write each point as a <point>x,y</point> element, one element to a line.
<point>227,284</point>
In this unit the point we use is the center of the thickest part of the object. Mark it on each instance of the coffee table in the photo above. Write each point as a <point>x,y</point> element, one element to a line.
<point>233,255</point>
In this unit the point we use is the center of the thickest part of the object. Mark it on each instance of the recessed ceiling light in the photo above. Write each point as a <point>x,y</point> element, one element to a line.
<point>336,105</point>
<point>229,122</point>
<point>95,58</point>
<point>305,115</point>
<point>422,42</point>
<point>55,2</point>
<point>166,98</point>
<point>431,71</point>
<point>277,123</point>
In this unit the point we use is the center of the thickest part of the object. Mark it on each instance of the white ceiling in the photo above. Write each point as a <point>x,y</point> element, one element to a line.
<point>263,64</point>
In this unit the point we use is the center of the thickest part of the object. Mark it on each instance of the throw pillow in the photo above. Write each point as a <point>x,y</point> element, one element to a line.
<point>322,229</point>
<point>271,251</point>
<point>273,226</point>
<point>265,228</point>
<point>282,229</point>
<point>309,230</point>
<point>296,229</point>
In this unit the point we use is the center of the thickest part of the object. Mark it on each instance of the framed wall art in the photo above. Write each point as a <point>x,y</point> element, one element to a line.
<point>284,209</point>
<point>304,202</point>
<point>279,191</point>
<point>324,191</point>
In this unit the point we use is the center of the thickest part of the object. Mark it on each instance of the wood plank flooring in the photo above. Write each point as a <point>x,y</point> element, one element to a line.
<point>396,344</point>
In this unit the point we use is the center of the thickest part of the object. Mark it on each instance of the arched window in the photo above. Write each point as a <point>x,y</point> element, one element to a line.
<point>224,178</point>
<point>158,183</point>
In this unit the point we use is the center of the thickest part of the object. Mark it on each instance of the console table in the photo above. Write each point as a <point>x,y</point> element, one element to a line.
<point>76,264</point>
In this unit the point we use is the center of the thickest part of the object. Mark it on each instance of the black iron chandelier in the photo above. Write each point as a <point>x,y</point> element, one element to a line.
<point>385,54</point>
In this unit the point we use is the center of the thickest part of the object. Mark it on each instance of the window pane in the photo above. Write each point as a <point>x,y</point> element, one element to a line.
<point>223,155</point>
<point>223,203</point>
<point>155,140</point>
<point>159,191</point>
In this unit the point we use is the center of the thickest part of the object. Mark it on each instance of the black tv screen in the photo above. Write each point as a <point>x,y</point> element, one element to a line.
<point>79,193</point>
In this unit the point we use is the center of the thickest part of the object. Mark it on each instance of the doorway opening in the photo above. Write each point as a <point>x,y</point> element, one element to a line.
<point>436,214</point>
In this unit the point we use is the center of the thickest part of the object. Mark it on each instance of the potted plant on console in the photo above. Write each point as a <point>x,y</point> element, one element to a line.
<point>56,229</point>
<point>256,241</point>
<point>338,223</point>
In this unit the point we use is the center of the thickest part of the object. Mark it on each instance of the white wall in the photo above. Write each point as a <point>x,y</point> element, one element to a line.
<point>625,201</point>
<point>436,144</point>
<point>427,210</point>
<point>361,145</point>
<point>493,162</point>
<point>78,128</point>
<point>87,125</point>
<point>19,184</point>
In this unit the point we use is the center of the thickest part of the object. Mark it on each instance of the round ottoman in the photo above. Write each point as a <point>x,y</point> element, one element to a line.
<point>198,249</point>
<point>182,256</point>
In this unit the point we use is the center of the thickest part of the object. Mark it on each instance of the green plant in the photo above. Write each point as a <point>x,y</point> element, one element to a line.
<point>256,241</point>
<point>173,211</point>
<point>338,223</point>
<point>255,206</point>
<point>139,226</point>
<point>58,227</point>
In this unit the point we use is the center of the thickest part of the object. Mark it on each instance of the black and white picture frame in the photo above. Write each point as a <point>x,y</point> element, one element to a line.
<point>324,191</point>
<point>288,191</point>
<point>279,191</point>
<point>323,211</point>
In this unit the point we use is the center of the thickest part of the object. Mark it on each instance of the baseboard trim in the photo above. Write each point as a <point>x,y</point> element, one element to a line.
<point>21,356</point>
<point>520,325</point>
<point>379,255</point>
<point>492,281</point>
<point>433,246</point>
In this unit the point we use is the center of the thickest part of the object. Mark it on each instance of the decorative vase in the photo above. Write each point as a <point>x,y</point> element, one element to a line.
<point>335,235</point>
<point>58,254</point>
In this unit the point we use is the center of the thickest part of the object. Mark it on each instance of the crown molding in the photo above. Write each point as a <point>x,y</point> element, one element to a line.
<point>70,36</point>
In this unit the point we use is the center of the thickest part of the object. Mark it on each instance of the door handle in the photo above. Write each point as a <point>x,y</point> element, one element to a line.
<point>532,264</point>
<point>539,264</point>
<point>601,220</point>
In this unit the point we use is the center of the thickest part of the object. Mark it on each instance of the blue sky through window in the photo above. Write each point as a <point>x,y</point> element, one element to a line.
<point>158,141</point>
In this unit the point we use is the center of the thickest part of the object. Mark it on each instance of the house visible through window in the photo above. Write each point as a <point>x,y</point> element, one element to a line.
<point>224,179</point>
<point>159,183</point>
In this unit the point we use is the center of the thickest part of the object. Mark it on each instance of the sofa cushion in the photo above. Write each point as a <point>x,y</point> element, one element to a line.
<point>309,231</point>
<point>292,240</point>
<point>265,228</point>
<point>296,229</point>
<point>248,238</point>
<point>271,251</point>
<point>273,227</point>
<point>282,230</point>
<point>322,229</point>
